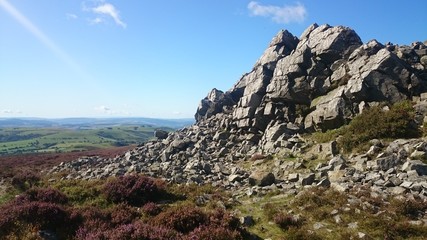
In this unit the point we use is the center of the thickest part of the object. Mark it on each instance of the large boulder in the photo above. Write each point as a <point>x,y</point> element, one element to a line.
<point>261,178</point>
<point>215,102</point>
<point>250,89</point>
<point>302,75</point>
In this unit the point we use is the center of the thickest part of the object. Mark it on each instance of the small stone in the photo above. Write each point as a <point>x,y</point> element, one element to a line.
<point>337,219</point>
<point>340,187</point>
<point>397,190</point>
<point>293,177</point>
<point>336,161</point>
<point>324,183</point>
<point>417,154</point>
<point>247,221</point>
<point>417,187</point>
<point>406,184</point>
<point>416,165</point>
<point>353,225</point>
<point>373,150</point>
<point>318,226</point>
<point>234,178</point>
<point>335,211</point>
<point>412,175</point>
<point>251,192</point>
<point>336,175</point>
<point>308,179</point>
<point>361,235</point>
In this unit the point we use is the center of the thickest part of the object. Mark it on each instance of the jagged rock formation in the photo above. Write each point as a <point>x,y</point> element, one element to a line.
<point>320,82</point>
<point>316,82</point>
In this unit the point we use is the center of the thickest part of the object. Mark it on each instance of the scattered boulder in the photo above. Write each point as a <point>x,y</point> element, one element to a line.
<point>417,165</point>
<point>160,134</point>
<point>261,178</point>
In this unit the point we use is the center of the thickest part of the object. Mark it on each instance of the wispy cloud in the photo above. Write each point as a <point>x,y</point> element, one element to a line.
<point>285,14</point>
<point>43,38</point>
<point>71,16</point>
<point>96,21</point>
<point>109,10</point>
<point>109,111</point>
<point>103,109</point>
<point>8,111</point>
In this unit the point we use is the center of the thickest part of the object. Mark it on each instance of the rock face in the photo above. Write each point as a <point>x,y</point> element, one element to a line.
<point>214,103</point>
<point>319,81</point>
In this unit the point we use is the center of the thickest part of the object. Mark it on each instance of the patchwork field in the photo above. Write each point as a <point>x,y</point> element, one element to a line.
<point>55,140</point>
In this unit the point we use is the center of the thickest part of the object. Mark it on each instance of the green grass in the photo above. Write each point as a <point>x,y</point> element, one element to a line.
<point>83,193</point>
<point>261,210</point>
<point>315,205</point>
<point>397,122</point>
<point>390,217</point>
<point>36,140</point>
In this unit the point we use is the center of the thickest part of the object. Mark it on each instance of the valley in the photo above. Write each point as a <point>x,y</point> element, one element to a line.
<point>23,136</point>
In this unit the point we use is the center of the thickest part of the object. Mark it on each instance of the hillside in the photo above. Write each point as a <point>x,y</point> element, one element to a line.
<point>322,139</point>
<point>23,136</point>
<point>55,140</point>
<point>90,123</point>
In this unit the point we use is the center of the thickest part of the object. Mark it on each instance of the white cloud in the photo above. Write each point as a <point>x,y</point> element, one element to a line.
<point>285,14</point>
<point>103,109</point>
<point>71,16</point>
<point>8,111</point>
<point>96,20</point>
<point>109,111</point>
<point>110,10</point>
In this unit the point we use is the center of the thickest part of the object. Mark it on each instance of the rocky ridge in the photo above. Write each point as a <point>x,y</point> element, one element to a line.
<point>248,139</point>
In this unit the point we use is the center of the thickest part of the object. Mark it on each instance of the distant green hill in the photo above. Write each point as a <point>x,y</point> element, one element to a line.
<point>93,122</point>
<point>19,140</point>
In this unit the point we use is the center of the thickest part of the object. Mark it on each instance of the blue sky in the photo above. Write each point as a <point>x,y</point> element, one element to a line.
<point>101,58</point>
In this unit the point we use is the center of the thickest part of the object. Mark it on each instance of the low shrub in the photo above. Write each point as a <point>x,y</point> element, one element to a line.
<point>43,215</point>
<point>151,209</point>
<point>123,214</point>
<point>302,234</point>
<point>221,218</point>
<point>49,195</point>
<point>182,219</point>
<point>317,197</point>
<point>214,233</point>
<point>133,231</point>
<point>411,208</point>
<point>270,210</point>
<point>404,230</point>
<point>90,220</point>
<point>132,189</point>
<point>221,225</point>
<point>25,179</point>
<point>286,221</point>
<point>146,231</point>
<point>83,192</point>
<point>398,122</point>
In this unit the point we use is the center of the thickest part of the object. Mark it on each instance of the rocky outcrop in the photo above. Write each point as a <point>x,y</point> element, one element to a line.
<point>319,81</point>
<point>216,102</point>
